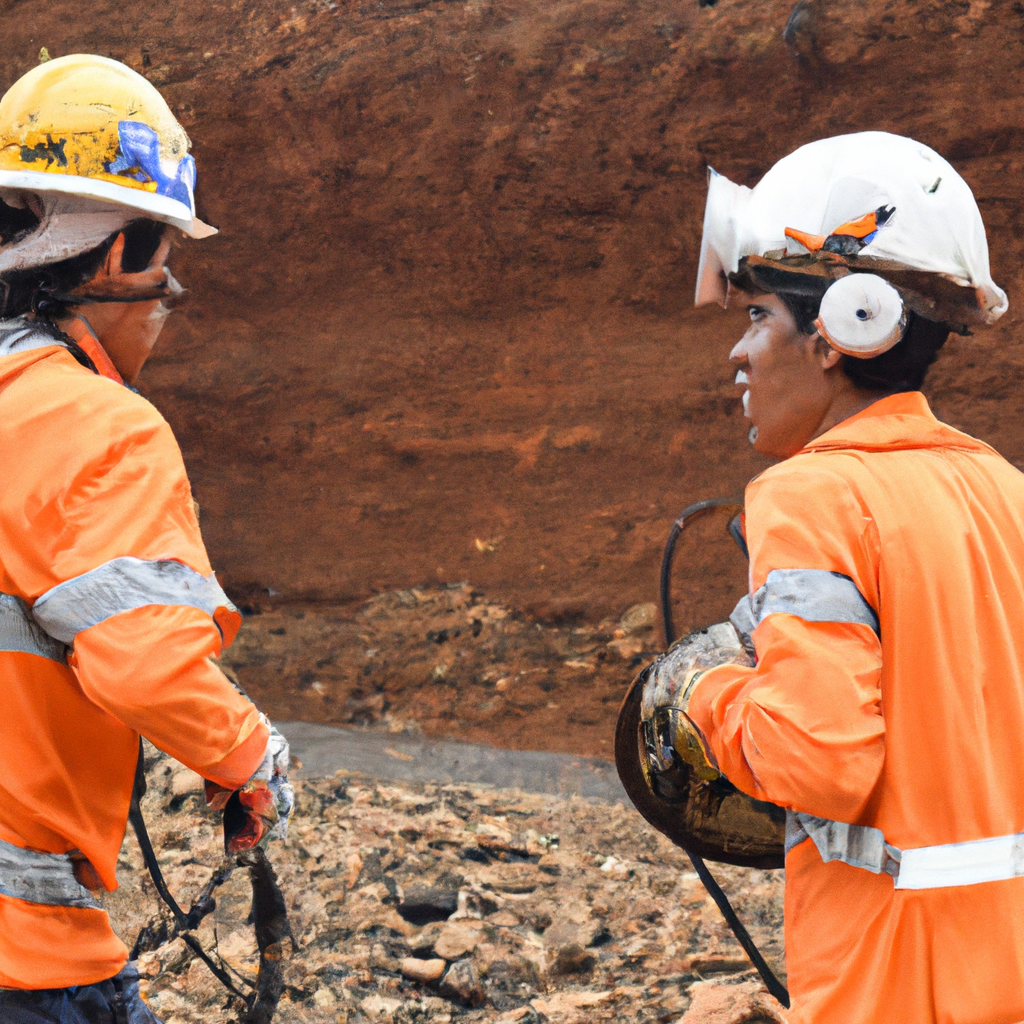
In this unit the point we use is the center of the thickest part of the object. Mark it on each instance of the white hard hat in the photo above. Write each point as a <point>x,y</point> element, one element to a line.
<point>868,202</point>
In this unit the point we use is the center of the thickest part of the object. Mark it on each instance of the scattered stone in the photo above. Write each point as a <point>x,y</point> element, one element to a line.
<point>549,864</point>
<point>521,1015</point>
<point>424,971</point>
<point>714,963</point>
<point>746,1003</point>
<point>514,878</point>
<point>456,940</point>
<point>627,647</point>
<point>585,946</point>
<point>375,1007</point>
<point>564,1002</point>
<point>461,984</point>
<point>504,919</point>
<point>575,928</point>
<point>640,618</point>
<point>573,959</point>
<point>324,999</point>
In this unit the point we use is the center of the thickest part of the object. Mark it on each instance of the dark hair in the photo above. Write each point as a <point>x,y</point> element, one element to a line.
<point>37,289</point>
<point>903,368</point>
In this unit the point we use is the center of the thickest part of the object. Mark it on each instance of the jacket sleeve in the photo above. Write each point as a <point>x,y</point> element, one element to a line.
<point>804,728</point>
<point>120,574</point>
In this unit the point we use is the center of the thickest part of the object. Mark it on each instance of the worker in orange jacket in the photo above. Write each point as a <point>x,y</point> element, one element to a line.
<point>885,710</point>
<point>110,615</point>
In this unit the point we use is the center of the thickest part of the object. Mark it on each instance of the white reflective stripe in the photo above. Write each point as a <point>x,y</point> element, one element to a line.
<point>42,878</point>
<point>984,860</point>
<point>19,633</point>
<point>121,585</point>
<point>814,595</point>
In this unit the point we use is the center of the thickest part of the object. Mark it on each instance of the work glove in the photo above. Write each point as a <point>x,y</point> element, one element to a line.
<point>259,811</point>
<point>673,749</point>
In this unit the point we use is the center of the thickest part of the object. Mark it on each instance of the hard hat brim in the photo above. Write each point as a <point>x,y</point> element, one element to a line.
<point>933,296</point>
<point>149,204</point>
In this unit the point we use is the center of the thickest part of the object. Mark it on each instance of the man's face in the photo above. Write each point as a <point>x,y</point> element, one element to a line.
<point>129,339</point>
<point>784,373</point>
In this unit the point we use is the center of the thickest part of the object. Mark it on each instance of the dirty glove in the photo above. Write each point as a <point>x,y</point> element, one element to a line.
<point>259,811</point>
<point>673,749</point>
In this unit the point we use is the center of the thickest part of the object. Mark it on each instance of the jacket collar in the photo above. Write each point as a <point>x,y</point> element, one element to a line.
<point>82,333</point>
<point>893,423</point>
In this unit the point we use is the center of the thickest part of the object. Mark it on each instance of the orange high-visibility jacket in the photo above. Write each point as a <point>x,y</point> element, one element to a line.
<point>109,614</point>
<point>887,584</point>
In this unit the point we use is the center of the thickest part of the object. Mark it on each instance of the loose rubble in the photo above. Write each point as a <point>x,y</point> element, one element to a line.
<point>421,902</point>
<point>447,662</point>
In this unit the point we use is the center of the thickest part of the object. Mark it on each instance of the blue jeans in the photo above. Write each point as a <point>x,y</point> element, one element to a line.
<point>114,1001</point>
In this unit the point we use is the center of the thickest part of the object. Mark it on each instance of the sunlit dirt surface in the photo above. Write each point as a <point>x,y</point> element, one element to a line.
<point>454,903</point>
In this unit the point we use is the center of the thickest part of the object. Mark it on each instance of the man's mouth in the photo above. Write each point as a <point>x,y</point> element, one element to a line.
<point>742,378</point>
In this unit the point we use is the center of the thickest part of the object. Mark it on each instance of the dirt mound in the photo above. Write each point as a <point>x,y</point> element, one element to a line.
<point>447,661</point>
<point>420,903</point>
<point>450,303</point>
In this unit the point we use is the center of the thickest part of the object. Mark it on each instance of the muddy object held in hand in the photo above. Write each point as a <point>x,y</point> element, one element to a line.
<point>270,921</point>
<point>714,820</point>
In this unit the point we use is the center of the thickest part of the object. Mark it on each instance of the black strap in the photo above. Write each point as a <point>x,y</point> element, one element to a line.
<point>772,983</point>
<point>185,922</point>
<point>701,508</point>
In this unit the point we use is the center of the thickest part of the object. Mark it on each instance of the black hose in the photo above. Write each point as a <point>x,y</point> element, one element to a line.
<point>698,511</point>
<point>269,913</point>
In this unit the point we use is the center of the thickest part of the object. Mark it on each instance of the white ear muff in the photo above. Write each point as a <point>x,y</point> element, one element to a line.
<point>861,315</point>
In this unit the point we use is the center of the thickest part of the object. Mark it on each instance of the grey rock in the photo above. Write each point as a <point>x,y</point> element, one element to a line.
<point>461,984</point>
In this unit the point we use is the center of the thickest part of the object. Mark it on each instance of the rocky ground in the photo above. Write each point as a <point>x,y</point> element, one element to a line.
<point>454,903</point>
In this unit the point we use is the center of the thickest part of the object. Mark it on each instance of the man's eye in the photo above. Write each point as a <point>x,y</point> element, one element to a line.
<point>756,312</point>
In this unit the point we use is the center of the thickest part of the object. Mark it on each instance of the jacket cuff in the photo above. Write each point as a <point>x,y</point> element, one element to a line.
<point>235,770</point>
<point>700,707</point>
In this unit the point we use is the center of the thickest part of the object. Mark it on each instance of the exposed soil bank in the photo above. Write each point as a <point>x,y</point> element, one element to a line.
<point>451,300</point>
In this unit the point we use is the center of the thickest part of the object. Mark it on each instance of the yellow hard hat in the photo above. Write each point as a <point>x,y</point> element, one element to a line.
<point>89,126</point>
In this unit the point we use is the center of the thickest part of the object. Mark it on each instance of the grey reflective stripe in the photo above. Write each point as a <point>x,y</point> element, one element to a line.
<point>856,845</point>
<point>743,621</point>
<point>19,335</point>
<point>42,878</point>
<point>19,633</point>
<point>924,867</point>
<point>121,585</point>
<point>814,595</point>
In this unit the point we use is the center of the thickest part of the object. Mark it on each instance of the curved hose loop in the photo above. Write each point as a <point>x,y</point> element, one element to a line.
<point>698,511</point>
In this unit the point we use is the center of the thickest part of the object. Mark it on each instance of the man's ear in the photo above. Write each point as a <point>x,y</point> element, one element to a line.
<point>112,265</point>
<point>827,355</point>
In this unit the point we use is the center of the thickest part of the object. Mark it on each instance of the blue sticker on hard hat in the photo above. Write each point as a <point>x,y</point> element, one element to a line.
<point>139,158</point>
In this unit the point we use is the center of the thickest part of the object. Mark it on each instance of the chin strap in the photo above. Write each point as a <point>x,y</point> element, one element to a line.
<point>144,286</point>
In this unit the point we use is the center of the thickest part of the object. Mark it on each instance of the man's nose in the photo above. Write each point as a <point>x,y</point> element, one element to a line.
<point>739,352</point>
